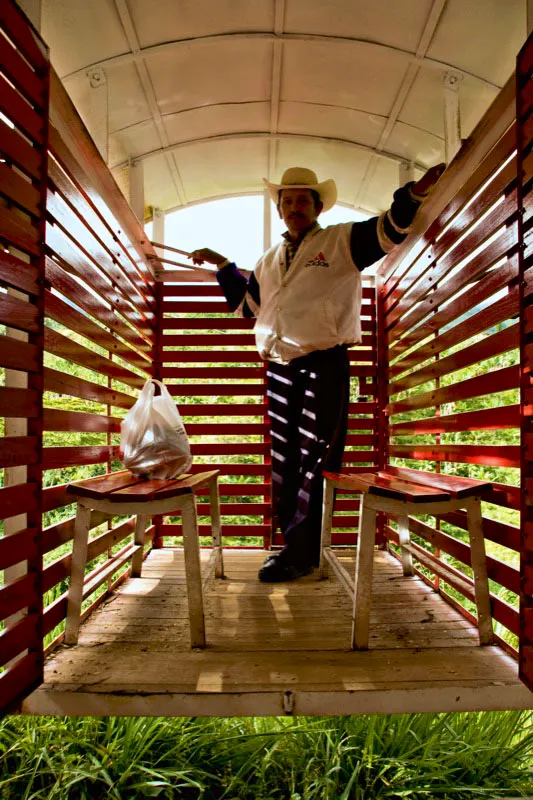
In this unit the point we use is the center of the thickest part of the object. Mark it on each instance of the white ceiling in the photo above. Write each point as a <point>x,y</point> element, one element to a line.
<point>213,95</point>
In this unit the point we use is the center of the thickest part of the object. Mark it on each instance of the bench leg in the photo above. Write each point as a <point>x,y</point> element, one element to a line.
<point>405,538</point>
<point>363,577</point>
<point>327,520</point>
<point>216,529</point>
<point>479,568</point>
<point>193,572</point>
<point>77,574</point>
<point>137,560</point>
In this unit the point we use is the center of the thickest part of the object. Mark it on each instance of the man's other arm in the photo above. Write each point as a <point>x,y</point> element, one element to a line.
<point>375,237</point>
<point>242,294</point>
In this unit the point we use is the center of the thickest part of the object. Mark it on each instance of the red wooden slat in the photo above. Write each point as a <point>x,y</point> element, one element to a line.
<point>212,339</point>
<point>440,269</point>
<point>17,189</point>
<point>58,457</point>
<point>18,402</point>
<point>18,499</point>
<point>18,150</point>
<point>17,547</point>
<point>145,491</point>
<point>18,355</point>
<point>61,383</point>
<point>494,345</point>
<point>100,226</point>
<point>18,29</point>
<point>213,373</point>
<point>497,381</point>
<point>18,594</point>
<point>23,635</point>
<point>17,274</point>
<point>17,450</point>
<point>456,486</point>
<point>21,75</point>
<point>18,231</point>
<point>55,419</point>
<point>387,486</point>
<point>483,289</point>
<point>498,532</point>
<point>227,530</point>
<point>62,312</point>
<point>490,455</point>
<point>89,243</point>
<point>215,389</point>
<point>209,356</point>
<point>204,324</point>
<point>20,112</point>
<point>26,674</point>
<point>18,314</point>
<point>69,349</point>
<point>86,168</point>
<point>460,225</point>
<point>485,420</point>
<point>72,253</point>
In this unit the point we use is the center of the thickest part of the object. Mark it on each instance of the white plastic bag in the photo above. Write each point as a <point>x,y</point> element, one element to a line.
<point>153,441</point>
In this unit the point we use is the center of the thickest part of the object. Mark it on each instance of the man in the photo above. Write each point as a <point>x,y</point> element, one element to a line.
<point>305,293</point>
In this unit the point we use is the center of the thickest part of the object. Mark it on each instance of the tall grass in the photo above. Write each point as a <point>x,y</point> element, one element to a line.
<point>449,756</point>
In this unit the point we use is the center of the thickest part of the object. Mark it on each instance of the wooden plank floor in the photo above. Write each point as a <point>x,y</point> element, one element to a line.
<point>274,649</point>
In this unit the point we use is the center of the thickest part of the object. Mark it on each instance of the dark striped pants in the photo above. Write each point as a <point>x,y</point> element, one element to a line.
<point>308,410</point>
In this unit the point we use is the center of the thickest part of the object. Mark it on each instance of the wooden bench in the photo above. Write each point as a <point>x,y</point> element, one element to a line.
<point>403,492</point>
<point>123,493</point>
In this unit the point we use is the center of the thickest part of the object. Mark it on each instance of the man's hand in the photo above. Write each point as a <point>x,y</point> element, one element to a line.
<point>205,254</point>
<point>427,182</point>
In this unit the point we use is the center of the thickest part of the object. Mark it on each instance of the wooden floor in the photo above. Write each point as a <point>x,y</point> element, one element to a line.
<point>274,649</point>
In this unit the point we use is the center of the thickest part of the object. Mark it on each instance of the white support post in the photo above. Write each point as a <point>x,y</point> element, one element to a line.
<point>98,118</point>
<point>452,115</point>
<point>137,189</point>
<point>267,221</point>
<point>406,171</point>
<point>327,521</point>
<point>158,233</point>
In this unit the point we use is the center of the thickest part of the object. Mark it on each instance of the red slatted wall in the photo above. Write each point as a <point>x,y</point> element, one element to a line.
<point>524,118</point>
<point>449,332</point>
<point>99,349</point>
<point>24,95</point>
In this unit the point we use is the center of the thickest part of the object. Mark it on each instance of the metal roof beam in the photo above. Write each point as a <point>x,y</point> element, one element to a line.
<point>227,137</point>
<point>268,36</point>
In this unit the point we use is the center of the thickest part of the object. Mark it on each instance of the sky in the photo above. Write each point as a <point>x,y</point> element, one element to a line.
<point>233,227</point>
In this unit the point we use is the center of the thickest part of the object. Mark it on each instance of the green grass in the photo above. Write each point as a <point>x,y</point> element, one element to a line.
<point>449,756</point>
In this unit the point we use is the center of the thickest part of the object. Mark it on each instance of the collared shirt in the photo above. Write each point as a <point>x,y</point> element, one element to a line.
<point>292,245</point>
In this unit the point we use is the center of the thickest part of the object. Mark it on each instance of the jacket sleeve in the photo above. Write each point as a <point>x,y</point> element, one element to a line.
<point>241,293</point>
<point>375,237</point>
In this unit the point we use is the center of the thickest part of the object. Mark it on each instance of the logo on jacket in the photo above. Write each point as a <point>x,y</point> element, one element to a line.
<point>318,261</point>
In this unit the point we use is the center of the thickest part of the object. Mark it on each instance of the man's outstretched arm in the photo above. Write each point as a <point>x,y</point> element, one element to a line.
<point>375,237</point>
<point>241,293</point>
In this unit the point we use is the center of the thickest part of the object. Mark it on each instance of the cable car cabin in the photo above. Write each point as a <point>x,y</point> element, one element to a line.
<point>198,103</point>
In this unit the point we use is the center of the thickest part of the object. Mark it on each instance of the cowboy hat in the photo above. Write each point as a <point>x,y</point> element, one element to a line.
<point>302,178</point>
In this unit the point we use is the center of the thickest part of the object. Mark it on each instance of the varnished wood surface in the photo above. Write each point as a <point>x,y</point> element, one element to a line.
<point>274,648</point>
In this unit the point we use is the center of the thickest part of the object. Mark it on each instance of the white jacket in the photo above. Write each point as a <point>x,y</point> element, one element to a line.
<point>314,305</point>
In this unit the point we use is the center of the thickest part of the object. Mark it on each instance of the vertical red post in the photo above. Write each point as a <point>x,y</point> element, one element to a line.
<point>524,145</point>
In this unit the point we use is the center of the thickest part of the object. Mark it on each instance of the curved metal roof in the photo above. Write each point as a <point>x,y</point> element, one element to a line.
<point>213,95</point>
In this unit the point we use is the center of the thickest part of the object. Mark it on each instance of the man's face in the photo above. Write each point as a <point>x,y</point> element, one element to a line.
<point>297,209</point>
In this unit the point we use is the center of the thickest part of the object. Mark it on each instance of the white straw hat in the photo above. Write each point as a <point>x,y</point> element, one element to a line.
<point>302,178</point>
